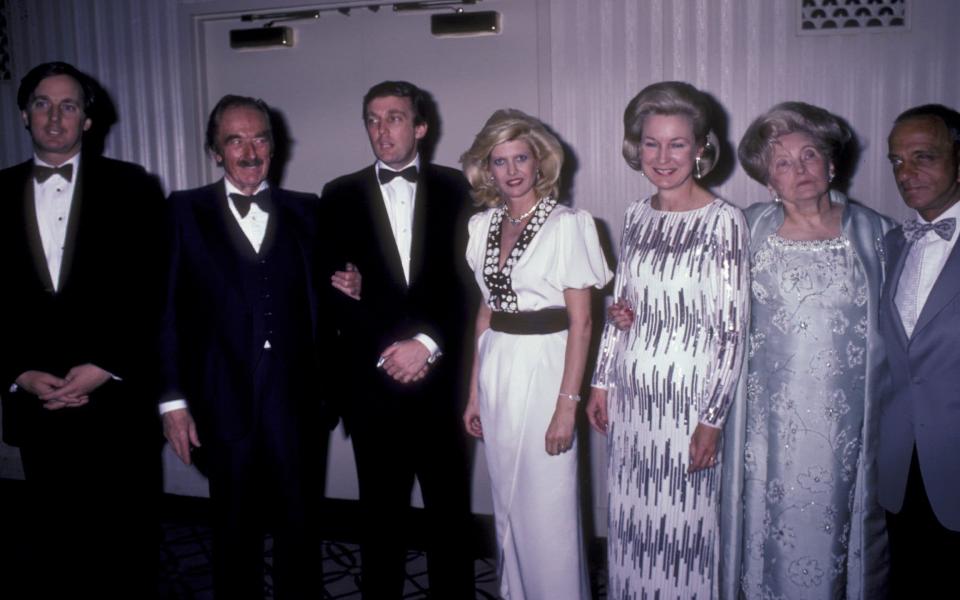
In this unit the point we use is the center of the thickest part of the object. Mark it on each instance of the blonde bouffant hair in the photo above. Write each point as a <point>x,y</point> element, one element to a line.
<point>508,125</point>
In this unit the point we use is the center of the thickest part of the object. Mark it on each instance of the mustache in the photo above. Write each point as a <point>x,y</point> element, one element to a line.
<point>250,162</point>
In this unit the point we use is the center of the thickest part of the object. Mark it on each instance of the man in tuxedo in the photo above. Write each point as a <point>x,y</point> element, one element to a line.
<point>402,223</point>
<point>247,315</point>
<point>79,261</point>
<point>919,453</point>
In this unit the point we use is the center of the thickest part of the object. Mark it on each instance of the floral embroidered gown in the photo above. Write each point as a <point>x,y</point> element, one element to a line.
<point>535,495</point>
<point>685,275</point>
<point>805,414</point>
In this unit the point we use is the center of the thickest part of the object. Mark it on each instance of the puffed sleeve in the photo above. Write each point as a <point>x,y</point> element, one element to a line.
<point>731,290</point>
<point>580,262</point>
<point>477,242</point>
<point>608,341</point>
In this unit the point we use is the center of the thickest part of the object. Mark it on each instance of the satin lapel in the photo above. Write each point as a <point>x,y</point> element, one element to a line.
<point>31,230</point>
<point>420,216</point>
<point>380,223</point>
<point>77,213</point>
<point>898,256</point>
<point>944,290</point>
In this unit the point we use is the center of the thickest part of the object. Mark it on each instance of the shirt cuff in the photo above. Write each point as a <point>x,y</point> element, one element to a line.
<point>431,346</point>
<point>171,405</point>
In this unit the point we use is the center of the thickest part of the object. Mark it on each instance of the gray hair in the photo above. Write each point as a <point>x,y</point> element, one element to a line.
<point>829,133</point>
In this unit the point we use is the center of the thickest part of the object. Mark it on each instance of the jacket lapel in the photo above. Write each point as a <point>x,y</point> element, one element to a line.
<point>77,212</point>
<point>31,230</point>
<point>381,227</point>
<point>898,256</point>
<point>420,214</point>
<point>221,234</point>
<point>944,290</point>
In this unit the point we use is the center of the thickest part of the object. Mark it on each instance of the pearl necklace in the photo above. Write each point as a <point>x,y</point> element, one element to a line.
<point>519,219</point>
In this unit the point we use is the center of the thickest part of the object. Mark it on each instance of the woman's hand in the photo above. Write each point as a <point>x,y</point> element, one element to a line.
<point>349,281</point>
<point>597,410</point>
<point>620,314</point>
<point>703,447</point>
<point>471,417</point>
<point>559,436</point>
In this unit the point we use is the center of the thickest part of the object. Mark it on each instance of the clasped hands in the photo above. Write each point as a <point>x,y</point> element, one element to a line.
<point>70,391</point>
<point>405,361</point>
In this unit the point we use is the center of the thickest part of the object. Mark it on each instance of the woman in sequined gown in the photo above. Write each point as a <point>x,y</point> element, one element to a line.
<point>805,436</point>
<point>535,262</point>
<point>670,356</point>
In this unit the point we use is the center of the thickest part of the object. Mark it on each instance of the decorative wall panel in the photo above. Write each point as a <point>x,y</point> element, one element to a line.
<point>852,16</point>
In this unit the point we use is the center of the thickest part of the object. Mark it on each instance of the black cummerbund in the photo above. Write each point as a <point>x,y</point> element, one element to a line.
<point>538,322</point>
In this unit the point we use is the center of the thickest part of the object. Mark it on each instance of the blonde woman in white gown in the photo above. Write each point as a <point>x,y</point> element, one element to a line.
<point>535,262</point>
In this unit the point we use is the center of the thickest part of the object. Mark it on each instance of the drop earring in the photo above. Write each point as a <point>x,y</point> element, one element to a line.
<point>697,173</point>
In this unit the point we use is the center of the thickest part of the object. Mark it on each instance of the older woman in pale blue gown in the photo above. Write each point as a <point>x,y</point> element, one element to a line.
<point>801,446</point>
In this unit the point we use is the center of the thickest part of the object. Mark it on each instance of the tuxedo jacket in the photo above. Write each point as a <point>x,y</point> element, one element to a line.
<point>106,306</point>
<point>922,406</point>
<point>390,309</point>
<point>217,316</point>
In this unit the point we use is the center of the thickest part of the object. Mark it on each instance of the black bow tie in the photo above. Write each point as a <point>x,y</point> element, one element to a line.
<point>242,202</point>
<point>386,175</point>
<point>43,173</point>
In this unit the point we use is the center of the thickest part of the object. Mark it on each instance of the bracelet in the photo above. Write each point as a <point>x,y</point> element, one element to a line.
<point>574,397</point>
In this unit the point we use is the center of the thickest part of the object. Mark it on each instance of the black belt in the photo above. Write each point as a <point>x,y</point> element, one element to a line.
<point>538,322</point>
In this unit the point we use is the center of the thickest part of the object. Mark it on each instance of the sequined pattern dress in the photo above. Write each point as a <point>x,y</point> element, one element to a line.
<point>685,274</point>
<point>805,412</point>
<point>535,496</point>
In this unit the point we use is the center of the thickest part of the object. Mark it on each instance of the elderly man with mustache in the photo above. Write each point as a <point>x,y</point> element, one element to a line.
<point>245,322</point>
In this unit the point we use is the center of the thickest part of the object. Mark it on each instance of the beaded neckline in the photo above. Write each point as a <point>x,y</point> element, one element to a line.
<point>498,280</point>
<point>836,243</point>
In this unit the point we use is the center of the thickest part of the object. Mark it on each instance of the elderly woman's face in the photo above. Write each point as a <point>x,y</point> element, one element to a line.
<point>668,150</point>
<point>798,170</point>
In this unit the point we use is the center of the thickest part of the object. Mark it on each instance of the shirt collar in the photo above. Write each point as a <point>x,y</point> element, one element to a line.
<point>232,189</point>
<point>413,163</point>
<point>73,160</point>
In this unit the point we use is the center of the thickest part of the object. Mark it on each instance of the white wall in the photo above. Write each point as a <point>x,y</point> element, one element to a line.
<point>593,56</point>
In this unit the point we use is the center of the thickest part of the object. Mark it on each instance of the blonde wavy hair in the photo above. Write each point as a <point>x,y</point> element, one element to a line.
<point>507,125</point>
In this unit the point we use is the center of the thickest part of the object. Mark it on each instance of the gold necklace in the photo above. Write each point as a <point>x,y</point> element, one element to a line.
<point>518,220</point>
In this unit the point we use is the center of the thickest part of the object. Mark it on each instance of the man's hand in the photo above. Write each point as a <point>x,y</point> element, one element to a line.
<point>80,382</point>
<point>703,447</point>
<point>405,361</point>
<point>349,282</point>
<point>597,410</point>
<point>45,385</point>
<point>181,432</point>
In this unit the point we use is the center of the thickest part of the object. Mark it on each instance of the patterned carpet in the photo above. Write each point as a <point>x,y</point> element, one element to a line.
<point>185,556</point>
<point>185,552</point>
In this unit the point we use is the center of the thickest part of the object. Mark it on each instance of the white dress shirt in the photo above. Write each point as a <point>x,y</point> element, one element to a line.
<point>53,199</point>
<point>254,227</point>
<point>926,256</point>
<point>399,199</point>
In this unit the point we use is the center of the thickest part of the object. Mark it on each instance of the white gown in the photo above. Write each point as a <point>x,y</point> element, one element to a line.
<point>686,276</point>
<point>535,495</point>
